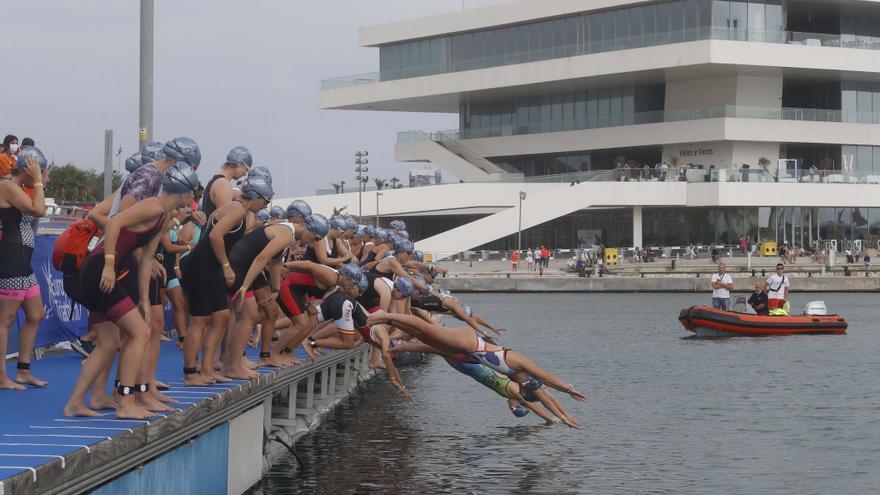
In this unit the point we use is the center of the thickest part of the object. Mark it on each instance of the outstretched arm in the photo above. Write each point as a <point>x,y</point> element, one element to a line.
<point>520,362</point>
<point>385,346</point>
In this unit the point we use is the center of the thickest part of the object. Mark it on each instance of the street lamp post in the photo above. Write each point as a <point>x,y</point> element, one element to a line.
<point>522,196</point>
<point>119,160</point>
<point>377,207</point>
<point>360,162</point>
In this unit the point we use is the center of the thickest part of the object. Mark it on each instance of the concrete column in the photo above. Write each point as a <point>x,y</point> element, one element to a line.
<point>637,226</point>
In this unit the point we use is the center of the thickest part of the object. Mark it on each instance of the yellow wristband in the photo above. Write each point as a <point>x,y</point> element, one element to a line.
<point>226,265</point>
<point>109,256</point>
<point>38,184</point>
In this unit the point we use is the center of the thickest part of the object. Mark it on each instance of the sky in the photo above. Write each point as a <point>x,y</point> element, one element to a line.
<point>227,73</point>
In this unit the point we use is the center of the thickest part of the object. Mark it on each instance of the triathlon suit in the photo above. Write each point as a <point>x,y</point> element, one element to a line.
<point>203,282</point>
<point>173,281</point>
<point>430,302</point>
<point>125,294</point>
<point>243,254</point>
<point>17,236</point>
<point>208,205</point>
<point>370,257</point>
<point>346,313</point>
<point>370,298</point>
<point>483,375</point>
<point>330,249</point>
<point>295,292</point>
<point>497,360</point>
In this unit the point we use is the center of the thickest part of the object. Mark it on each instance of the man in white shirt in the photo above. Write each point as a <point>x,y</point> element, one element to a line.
<point>777,288</point>
<point>722,284</point>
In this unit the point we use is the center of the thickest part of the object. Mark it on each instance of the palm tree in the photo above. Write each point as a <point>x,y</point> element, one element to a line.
<point>395,183</point>
<point>379,183</point>
<point>336,186</point>
<point>338,211</point>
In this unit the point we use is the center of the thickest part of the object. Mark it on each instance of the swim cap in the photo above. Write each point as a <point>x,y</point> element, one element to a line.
<point>520,410</point>
<point>427,288</point>
<point>259,172</point>
<point>404,233</point>
<point>398,224</point>
<point>529,388</point>
<point>134,162</point>
<point>317,224</point>
<point>370,230</point>
<point>381,234</point>
<point>351,223</point>
<point>263,215</point>
<point>258,187</point>
<point>183,149</point>
<point>240,156</point>
<point>152,152</point>
<point>180,179</point>
<point>404,286</point>
<point>298,208</point>
<point>418,256</point>
<point>27,151</point>
<point>467,310</point>
<point>276,212</point>
<point>352,272</point>
<point>402,244</point>
<point>338,223</point>
<point>363,284</point>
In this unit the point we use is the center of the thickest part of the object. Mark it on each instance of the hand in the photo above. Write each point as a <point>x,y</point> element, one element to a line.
<point>239,298</point>
<point>158,271</point>
<point>229,275</point>
<point>144,307</point>
<point>575,394</point>
<point>267,301</point>
<point>33,168</point>
<point>499,330</point>
<point>403,391</point>
<point>177,272</point>
<point>108,278</point>
<point>199,218</point>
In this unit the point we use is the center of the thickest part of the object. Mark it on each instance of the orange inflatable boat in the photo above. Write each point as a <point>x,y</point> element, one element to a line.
<point>706,321</point>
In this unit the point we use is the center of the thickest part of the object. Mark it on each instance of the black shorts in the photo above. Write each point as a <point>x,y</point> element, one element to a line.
<point>123,298</point>
<point>430,303</point>
<point>204,288</point>
<point>240,271</point>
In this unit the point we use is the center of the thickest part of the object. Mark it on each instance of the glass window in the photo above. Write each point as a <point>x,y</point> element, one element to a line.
<point>455,54</point>
<point>425,58</point>
<point>608,38</point>
<point>512,45</point>
<point>635,27</point>
<point>705,7</point>
<point>568,111</point>
<point>556,113</point>
<point>616,110</point>
<point>467,50</point>
<point>604,107</point>
<point>756,21</point>
<point>676,21</point>
<point>534,41</point>
<point>478,48</point>
<point>501,45</point>
<point>691,20</point>
<point>721,19</point>
<point>523,35</point>
<point>622,29</point>
<point>405,60</point>
<point>580,110</point>
<point>876,170</point>
<point>584,36</point>
<point>592,108</point>
<point>394,57</point>
<point>863,164</point>
<point>596,33</point>
<point>547,39</point>
<point>738,19</point>
<point>774,23</point>
<point>864,102</point>
<point>649,18</point>
<point>628,105</point>
<point>546,104</point>
<point>571,37</point>
<point>663,23</point>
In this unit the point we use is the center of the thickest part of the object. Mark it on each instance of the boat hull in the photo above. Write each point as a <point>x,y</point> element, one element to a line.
<point>706,321</point>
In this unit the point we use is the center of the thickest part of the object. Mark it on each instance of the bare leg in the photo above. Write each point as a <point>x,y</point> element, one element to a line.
<point>520,362</point>
<point>99,398</point>
<point>216,333</point>
<point>147,374</point>
<point>130,363</point>
<point>175,295</point>
<point>33,314</point>
<point>8,309</point>
<point>98,362</point>
<point>191,345</point>
<point>445,339</point>
<point>339,341</point>
<point>267,331</point>
<point>236,341</point>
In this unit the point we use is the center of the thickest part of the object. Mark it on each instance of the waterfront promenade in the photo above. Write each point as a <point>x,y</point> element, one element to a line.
<point>218,442</point>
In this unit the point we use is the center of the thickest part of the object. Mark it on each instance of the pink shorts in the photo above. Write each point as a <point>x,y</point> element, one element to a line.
<point>20,294</point>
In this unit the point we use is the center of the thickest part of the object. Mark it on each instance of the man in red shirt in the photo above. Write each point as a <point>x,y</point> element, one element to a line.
<point>514,260</point>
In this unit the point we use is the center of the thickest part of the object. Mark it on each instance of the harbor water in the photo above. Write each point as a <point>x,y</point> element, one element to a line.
<point>667,414</point>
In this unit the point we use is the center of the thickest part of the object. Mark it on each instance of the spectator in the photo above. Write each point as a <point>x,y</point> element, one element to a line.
<point>722,284</point>
<point>742,245</point>
<point>9,155</point>
<point>27,142</point>
<point>758,300</point>
<point>530,260</point>
<point>538,264</point>
<point>867,260</point>
<point>545,256</point>
<point>849,256</point>
<point>514,260</point>
<point>664,171</point>
<point>778,286</point>
<point>646,172</point>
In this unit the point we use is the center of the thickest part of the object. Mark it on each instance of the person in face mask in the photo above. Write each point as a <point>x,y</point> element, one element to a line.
<point>9,155</point>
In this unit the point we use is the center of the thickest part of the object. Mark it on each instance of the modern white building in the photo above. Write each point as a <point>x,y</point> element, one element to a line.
<point>637,123</point>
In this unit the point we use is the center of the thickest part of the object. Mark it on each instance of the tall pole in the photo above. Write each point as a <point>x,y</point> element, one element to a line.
<point>108,163</point>
<point>522,196</point>
<point>377,207</point>
<point>360,162</point>
<point>145,131</point>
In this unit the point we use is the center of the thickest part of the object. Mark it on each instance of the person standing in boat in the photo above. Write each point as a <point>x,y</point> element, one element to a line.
<point>722,284</point>
<point>778,287</point>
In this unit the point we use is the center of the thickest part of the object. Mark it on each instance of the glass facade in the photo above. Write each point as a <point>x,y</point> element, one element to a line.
<point>659,23</point>
<point>583,109</point>
<point>853,163</point>
<point>566,163</point>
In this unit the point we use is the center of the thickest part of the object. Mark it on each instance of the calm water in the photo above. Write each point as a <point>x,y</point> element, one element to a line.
<point>797,414</point>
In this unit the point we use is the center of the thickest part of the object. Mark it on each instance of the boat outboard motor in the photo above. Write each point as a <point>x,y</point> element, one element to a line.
<point>816,308</point>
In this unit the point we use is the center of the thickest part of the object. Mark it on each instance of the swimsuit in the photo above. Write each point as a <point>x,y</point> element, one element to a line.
<point>484,375</point>
<point>17,236</point>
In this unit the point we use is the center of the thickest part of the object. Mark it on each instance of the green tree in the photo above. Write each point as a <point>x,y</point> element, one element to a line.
<point>380,183</point>
<point>72,185</point>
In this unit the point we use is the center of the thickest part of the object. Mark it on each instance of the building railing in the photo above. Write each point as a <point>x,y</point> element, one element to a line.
<point>655,117</point>
<point>626,43</point>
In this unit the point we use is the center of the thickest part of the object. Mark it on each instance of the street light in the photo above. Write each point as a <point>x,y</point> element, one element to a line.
<point>377,207</point>
<point>119,160</point>
<point>360,161</point>
<point>522,196</point>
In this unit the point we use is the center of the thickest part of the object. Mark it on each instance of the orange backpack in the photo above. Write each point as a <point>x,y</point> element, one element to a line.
<point>72,246</point>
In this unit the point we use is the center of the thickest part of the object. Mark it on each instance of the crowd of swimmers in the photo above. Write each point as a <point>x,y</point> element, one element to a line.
<point>238,272</point>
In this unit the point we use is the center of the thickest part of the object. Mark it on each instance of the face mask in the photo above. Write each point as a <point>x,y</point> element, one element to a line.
<point>13,148</point>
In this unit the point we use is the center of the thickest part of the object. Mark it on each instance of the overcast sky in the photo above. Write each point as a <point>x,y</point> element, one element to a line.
<point>227,73</point>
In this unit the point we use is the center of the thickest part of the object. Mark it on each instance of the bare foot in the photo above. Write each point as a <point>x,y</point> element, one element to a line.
<point>131,410</point>
<point>104,403</point>
<point>219,378</point>
<point>80,411</point>
<point>27,378</point>
<point>241,374</point>
<point>162,397</point>
<point>310,350</point>
<point>275,361</point>
<point>11,385</point>
<point>162,385</point>
<point>147,401</point>
<point>292,361</point>
<point>195,380</point>
<point>379,365</point>
<point>247,363</point>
